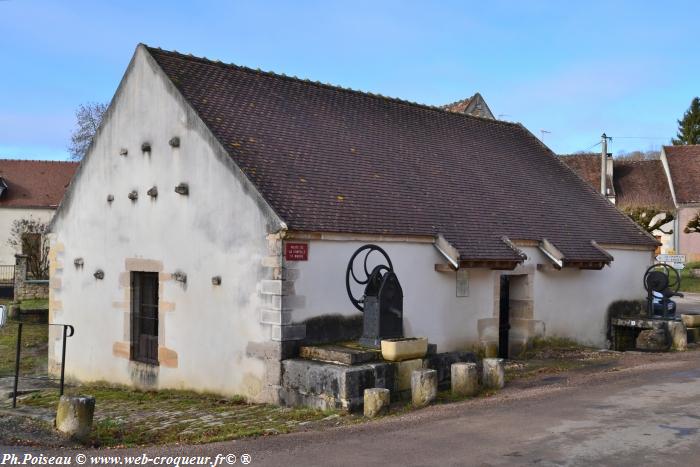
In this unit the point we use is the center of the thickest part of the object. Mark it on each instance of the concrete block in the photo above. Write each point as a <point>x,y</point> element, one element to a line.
<point>403,371</point>
<point>678,335</point>
<point>74,416</point>
<point>376,402</point>
<point>691,321</point>
<point>273,350</point>
<point>442,363</point>
<point>276,287</point>
<point>292,332</point>
<point>279,302</point>
<point>493,376</point>
<point>338,354</point>
<point>281,317</point>
<point>167,357</point>
<point>424,384</point>
<point>271,261</point>
<point>331,386</point>
<point>465,379</point>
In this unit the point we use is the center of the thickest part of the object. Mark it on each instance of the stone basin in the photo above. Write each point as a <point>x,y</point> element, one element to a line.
<point>406,348</point>
<point>691,321</point>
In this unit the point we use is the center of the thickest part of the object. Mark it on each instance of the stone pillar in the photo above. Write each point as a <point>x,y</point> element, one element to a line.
<point>465,379</point>
<point>376,402</point>
<point>20,275</point>
<point>74,416</point>
<point>424,384</point>
<point>493,376</point>
<point>678,335</point>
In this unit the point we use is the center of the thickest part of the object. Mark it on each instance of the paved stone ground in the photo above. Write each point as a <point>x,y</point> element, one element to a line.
<point>689,303</point>
<point>642,411</point>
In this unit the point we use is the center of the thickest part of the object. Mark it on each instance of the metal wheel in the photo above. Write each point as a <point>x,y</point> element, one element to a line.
<point>659,277</point>
<point>376,272</point>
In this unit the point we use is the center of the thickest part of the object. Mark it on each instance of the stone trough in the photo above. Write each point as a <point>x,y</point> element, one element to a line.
<point>648,334</point>
<point>336,376</point>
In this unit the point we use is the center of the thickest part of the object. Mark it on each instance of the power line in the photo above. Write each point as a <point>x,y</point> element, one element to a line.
<point>591,147</point>
<point>641,137</point>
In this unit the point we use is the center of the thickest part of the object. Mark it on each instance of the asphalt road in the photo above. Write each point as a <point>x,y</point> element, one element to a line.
<point>645,415</point>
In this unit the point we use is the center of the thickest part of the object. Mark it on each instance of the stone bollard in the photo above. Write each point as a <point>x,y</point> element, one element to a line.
<point>465,379</point>
<point>74,416</point>
<point>493,376</point>
<point>376,402</point>
<point>424,384</point>
<point>678,334</point>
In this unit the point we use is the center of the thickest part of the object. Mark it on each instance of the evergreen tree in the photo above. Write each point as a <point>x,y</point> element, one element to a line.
<point>689,125</point>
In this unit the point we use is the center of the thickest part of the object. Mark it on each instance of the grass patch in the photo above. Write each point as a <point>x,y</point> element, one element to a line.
<point>542,347</point>
<point>552,355</point>
<point>34,353</point>
<point>688,282</point>
<point>127,417</point>
<point>34,304</point>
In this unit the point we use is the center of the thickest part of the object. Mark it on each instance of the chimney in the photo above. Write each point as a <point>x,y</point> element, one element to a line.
<point>604,165</point>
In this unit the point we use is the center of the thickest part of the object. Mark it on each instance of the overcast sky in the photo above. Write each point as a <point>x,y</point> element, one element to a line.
<point>627,68</point>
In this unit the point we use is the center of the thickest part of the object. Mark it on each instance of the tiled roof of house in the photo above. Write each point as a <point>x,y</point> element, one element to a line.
<point>34,184</point>
<point>329,159</point>
<point>587,166</point>
<point>684,165</point>
<point>642,183</point>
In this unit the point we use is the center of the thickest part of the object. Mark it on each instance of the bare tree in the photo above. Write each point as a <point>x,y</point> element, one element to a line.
<point>693,225</point>
<point>28,235</point>
<point>639,155</point>
<point>650,218</point>
<point>87,120</point>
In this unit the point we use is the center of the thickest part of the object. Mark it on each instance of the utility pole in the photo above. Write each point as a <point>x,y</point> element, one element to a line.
<point>604,164</point>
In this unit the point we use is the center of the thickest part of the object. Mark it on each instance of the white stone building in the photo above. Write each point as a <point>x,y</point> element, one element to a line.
<point>207,231</point>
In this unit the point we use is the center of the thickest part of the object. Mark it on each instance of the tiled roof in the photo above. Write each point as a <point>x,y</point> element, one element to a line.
<point>684,165</point>
<point>642,183</point>
<point>587,166</point>
<point>330,159</point>
<point>34,184</point>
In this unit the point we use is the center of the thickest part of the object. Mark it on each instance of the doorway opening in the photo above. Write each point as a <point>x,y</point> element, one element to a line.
<point>504,317</point>
<point>144,317</point>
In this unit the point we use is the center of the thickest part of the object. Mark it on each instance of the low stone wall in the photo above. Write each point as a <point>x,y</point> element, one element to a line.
<point>26,289</point>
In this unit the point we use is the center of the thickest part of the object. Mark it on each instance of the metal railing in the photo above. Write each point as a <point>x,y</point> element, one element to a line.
<point>68,331</point>
<point>7,274</point>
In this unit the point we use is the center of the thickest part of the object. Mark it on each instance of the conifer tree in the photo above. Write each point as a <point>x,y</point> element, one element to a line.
<point>689,125</point>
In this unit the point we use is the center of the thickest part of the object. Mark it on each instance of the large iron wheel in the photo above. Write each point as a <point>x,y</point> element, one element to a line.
<point>660,277</point>
<point>350,272</point>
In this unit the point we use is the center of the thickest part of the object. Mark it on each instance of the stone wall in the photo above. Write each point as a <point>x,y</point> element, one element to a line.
<point>28,289</point>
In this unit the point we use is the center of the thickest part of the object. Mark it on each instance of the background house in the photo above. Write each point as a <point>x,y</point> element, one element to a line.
<point>475,106</point>
<point>207,232</point>
<point>29,189</point>
<point>682,168</point>
<point>631,184</point>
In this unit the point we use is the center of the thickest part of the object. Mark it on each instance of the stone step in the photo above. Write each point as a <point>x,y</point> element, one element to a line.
<point>339,354</point>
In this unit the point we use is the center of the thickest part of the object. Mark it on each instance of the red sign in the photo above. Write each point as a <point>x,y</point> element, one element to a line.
<point>296,251</point>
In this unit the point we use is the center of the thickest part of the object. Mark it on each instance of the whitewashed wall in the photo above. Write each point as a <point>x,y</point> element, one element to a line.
<point>219,229</point>
<point>571,302</point>
<point>7,217</point>
<point>431,307</point>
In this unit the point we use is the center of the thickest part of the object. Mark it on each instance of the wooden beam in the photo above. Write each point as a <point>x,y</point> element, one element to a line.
<point>359,237</point>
